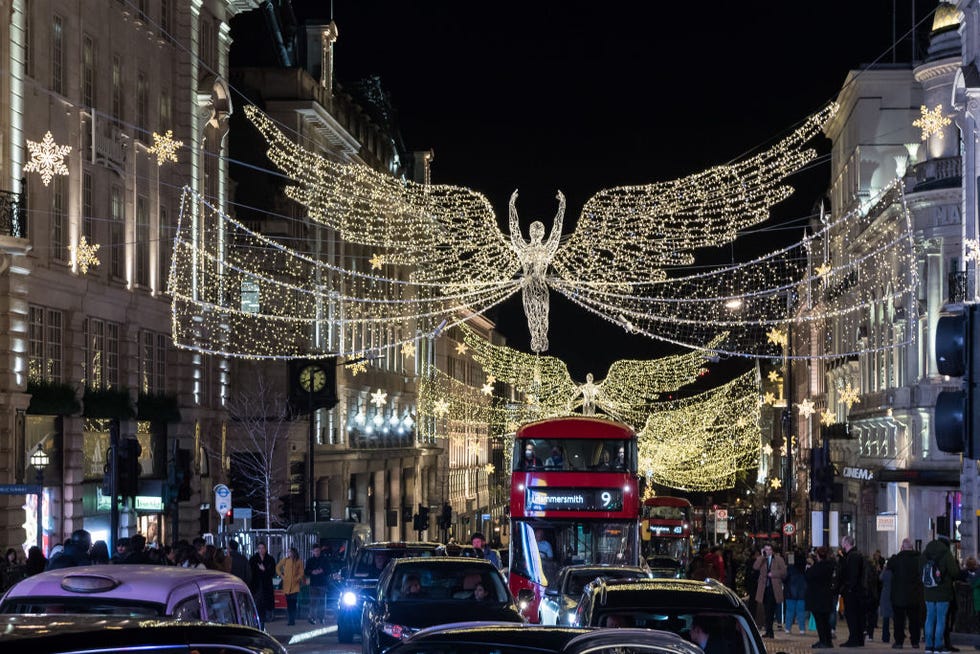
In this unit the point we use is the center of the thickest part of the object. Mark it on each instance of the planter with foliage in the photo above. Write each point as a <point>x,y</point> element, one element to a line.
<point>107,403</point>
<point>52,399</point>
<point>158,407</point>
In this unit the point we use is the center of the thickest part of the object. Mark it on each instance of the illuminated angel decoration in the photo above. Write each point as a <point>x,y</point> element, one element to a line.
<point>443,256</point>
<point>627,392</point>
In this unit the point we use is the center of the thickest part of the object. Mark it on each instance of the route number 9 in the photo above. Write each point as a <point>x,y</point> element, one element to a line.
<point>606,498</point>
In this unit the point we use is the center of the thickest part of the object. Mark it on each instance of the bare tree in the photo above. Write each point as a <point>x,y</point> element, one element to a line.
<point>258,444</point>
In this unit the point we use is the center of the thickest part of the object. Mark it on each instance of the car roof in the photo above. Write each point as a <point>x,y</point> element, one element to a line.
<point>98,633</point>
<point>145,583</point>
<point>602,567</point>
<point>401,545</point>
<point>430,561</point>
<point>677,593</point>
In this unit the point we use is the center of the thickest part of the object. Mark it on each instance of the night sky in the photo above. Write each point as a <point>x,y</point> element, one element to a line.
<point>545,95</point>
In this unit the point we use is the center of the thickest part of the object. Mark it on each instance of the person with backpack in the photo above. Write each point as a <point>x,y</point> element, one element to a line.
<point>939,570</point>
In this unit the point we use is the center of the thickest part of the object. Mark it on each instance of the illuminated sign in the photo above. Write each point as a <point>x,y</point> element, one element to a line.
<point>573,499</point>
<point>666,530</point>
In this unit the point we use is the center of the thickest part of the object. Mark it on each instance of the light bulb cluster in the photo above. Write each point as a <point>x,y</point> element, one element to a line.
<point>702,442</point>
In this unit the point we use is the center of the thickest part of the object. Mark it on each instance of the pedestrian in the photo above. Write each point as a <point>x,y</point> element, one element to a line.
<point>99,553</point>
<point>906,594</point>
<point>477,540</point>
<point>239,564</point>
<point>263,569</point>
<point>885,609</point>
<point>769,589</point>
<point>318,572</point>
<point>75,552</point>
<point>795,593</point>
<point>938,597</point>
<point>290,569</point>
<point>751,581</point>
<point>850,578</point>
<point>821,595</point>
<point>872,591</point>
<point>35,561</point>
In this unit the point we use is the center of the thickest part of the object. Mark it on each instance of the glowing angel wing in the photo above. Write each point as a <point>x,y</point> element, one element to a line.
<point>544,380</point>
<point>448,234</point>
<point>631,233</point>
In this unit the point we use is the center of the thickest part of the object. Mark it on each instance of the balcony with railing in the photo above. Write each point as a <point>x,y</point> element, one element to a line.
<point>944,172</point>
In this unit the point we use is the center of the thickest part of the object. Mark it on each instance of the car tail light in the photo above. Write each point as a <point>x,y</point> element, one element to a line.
<point>397,631</point>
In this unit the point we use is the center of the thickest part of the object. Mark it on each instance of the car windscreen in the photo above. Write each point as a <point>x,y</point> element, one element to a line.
<point>87,605</point>
<point>370,562</point>
<point>444,582</point>
<point>728,628</point>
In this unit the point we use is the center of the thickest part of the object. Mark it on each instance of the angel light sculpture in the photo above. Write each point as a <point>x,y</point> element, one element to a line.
<point>437,258</point>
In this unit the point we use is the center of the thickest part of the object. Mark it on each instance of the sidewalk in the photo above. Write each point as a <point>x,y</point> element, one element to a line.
<point>302,631</point>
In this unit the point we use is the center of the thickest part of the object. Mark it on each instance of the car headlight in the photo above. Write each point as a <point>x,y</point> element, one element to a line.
<point>349,598</point>
<point>397,631</point>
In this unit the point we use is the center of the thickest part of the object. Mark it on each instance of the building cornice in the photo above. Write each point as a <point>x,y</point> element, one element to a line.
<point>935,69</point>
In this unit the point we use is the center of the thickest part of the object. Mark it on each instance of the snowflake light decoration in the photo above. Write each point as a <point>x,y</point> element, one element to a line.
<point>408,349</point>
<point>767,449</point>
<point>487,389</point>
<point>823,269</point>
<point>806,408</point>
<point>777,336</point>
<point>491,379</point>
<point>47,158</point>
<point>84,254</point>
<point>931,122</point>
<point>849,396</point>
<point>774,376</point>
<point>461,348</point>
<point>356,368</point>
<point>769,398</point>
<point>165,147</point>
<point>379,398</point>
<point>827,418</point>
<point>775,483</point>
<point>440,407</point>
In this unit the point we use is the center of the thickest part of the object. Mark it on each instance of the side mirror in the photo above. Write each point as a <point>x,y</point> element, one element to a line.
<point>524,598</point>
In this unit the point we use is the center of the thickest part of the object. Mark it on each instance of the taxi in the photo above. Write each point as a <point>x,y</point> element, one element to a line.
<point>135,591</point>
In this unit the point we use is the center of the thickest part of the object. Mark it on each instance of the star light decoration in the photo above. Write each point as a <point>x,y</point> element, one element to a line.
<point>165,147</point>
<point>47,158</point>
<point>379,398</point>
<point>446,257</point>
<point>357,367</point>
<point>931,122</point>
<point>376,261</point>
<point>849,396</point>
<point>806,408</point>
<point>84,254</point>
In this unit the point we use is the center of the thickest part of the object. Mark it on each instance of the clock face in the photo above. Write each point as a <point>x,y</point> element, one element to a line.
<point>312,378</point>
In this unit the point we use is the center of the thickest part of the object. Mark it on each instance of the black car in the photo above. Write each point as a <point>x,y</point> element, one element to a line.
<point>505,638</point>
<point>672,605</point>
<point>98,634</point>
<point>362,577</point>
<point>413,594</point>
<point>665,566</point>
<point>561,597</point>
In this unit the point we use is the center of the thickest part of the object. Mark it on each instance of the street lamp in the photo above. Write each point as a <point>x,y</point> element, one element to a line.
<point>40,461</point>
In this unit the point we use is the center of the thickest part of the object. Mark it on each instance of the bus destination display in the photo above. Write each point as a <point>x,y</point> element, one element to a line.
<point>574,499</point>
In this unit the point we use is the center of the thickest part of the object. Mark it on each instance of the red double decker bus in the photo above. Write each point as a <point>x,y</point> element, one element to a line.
<point>665,529</point>
<point>573,499</point>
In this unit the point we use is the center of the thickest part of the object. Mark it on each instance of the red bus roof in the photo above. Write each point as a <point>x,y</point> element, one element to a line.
<point>666,501</point>
<point>575,427</point>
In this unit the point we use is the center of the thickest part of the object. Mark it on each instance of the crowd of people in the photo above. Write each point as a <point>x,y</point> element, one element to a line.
<point>911,594</point>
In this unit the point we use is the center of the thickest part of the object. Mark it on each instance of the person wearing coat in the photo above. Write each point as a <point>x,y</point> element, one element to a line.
<point>769,589</point>
<point>850,579</point>
<point>263,570</point>
<point>938,597</point>
<point>885,609</point>
<point>795,592</point>
<point>821,596</point>
<point>291,571</point>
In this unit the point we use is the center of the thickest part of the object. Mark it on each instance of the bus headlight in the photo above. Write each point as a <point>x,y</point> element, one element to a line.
<point>349,598</point>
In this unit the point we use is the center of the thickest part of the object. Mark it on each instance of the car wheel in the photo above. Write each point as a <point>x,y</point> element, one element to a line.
<point>367,647</point>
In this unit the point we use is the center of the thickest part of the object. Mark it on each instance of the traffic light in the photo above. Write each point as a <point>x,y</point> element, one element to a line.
<point>958,355</point>
<point>129,466</point>
<point>446,518</point>
<point>421,522</point>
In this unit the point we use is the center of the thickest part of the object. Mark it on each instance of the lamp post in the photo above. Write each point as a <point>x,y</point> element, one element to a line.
<point>40,461</point>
